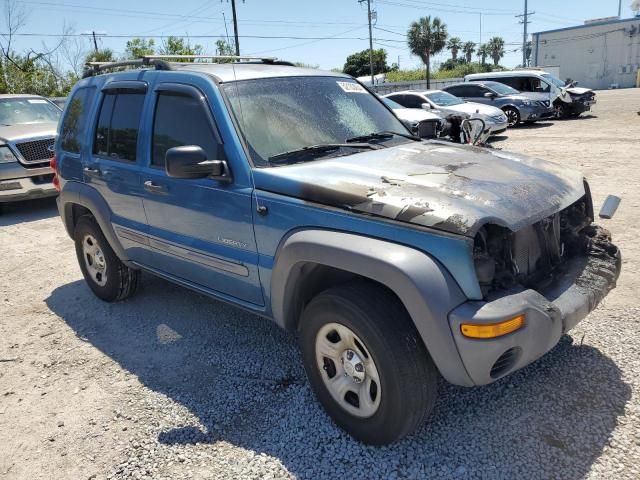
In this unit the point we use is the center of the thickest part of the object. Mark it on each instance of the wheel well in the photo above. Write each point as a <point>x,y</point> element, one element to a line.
<point>313,279</point>
<point>77,211</point>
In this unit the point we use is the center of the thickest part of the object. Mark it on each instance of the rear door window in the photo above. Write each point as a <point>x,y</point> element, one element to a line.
<point>116,135</point>
<point>74,124</point>
<point>181,120</point>
<point>413,101</point>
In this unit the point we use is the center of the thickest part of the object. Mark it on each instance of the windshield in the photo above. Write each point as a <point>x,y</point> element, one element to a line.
<point>556,81</point>
<point>502,89</point>
<point>277,115</point>
<point>391,104</point>
<point>18,111</point>
<point>443,99</point>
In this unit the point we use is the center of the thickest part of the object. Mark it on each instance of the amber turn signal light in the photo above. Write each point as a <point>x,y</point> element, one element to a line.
<point>492,330</point>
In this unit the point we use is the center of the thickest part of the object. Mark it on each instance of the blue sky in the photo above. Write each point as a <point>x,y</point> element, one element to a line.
<point>306,21</point>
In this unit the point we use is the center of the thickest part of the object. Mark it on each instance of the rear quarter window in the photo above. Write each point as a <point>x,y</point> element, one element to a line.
<point>74,124</point>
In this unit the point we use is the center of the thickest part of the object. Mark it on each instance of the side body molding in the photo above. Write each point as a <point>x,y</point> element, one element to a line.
<point>81,194</point>
<point>426,289</point>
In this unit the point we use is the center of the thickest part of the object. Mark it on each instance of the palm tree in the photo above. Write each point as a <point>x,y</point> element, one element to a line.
<point>454,44</point>
<point>427,37</point>
<point>468,48</point>
<point>496,49</point>
<point>483,53</point>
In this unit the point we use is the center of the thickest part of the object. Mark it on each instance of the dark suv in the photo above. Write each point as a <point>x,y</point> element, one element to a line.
<point>298,195</point>
<point>518,107</point>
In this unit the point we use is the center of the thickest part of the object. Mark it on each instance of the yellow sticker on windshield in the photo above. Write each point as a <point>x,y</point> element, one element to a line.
<point>351,87</point>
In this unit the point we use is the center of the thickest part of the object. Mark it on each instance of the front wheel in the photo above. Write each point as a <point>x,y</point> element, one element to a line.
<point>513,116</point>
<point>366,363</point>
<point>560,111</point>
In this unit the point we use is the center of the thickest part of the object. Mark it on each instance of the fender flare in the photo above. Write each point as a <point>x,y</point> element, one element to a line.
<point>425,288</point>
<point>75,193</point>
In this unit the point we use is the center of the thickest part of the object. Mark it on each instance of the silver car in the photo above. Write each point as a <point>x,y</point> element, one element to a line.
<point>439,101</point>
<point>27,133</point>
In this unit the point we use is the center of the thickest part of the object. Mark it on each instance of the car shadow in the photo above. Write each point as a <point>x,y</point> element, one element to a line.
<point>538,124</point>
<point>27,211</point>
<point>241,377</point>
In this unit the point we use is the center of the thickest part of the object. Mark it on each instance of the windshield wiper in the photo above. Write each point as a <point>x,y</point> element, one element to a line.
<point>316,150</point>
<point>382,136</point>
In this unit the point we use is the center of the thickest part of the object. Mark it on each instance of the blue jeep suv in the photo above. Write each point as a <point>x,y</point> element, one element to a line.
<point>298,195</point>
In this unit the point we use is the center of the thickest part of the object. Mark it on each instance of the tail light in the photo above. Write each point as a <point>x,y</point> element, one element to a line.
<point>54,166</point>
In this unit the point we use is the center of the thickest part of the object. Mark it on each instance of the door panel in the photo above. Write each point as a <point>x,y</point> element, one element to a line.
<point>113,168</point>
<point>200,230</point>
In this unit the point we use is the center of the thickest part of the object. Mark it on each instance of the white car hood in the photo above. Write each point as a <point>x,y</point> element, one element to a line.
<point>578,90</point>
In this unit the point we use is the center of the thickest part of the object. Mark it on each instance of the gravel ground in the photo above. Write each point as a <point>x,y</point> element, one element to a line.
<point>174,385</point>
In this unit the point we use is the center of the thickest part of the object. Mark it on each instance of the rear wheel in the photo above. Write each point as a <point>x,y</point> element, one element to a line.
<point>513,116</point>
<point>109,278</point>
<point>366,363</point>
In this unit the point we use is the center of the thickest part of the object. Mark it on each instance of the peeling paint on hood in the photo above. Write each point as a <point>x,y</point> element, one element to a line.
<point>454,188</point>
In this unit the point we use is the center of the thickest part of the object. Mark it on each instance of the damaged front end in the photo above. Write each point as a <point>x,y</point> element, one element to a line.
<point>539,282</point>
<point>537,255</point>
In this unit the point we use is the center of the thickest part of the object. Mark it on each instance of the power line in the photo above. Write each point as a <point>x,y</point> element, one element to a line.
<point>267,37</point>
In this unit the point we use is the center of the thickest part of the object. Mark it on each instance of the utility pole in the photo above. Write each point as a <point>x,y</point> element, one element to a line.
<point>235,26</point>
<point>480,30</point>
<point>370,40</point>
<point>95,42</point>
<point>525,21</point>
<point>619,8</point>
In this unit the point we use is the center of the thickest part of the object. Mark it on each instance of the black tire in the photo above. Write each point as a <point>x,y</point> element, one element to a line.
<point>513,116</point>
<point>561,111</point>
<point>121,281</point>
<point>408,376</point>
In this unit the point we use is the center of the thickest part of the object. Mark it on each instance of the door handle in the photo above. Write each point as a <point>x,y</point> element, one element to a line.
<point>92,172</point>
<point>152,187</point>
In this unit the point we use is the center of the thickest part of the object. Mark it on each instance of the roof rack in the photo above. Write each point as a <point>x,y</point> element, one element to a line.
<point>160,62</point>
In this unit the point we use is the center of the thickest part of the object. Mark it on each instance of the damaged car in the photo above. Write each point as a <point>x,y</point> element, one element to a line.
<point>568,100</point>
<point>296,194</point>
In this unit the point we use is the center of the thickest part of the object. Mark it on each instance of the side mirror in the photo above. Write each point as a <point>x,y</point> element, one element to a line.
<point>490,95</point>
<point>190,161</point>
<point>426,106</point>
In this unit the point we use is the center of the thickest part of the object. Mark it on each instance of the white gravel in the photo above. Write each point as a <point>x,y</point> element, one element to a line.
<point>173,385</point>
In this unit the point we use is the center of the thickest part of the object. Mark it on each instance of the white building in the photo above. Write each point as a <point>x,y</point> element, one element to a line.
<point>600,54</point>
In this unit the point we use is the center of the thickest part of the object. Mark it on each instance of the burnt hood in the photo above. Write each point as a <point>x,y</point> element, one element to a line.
<point>454,188</point>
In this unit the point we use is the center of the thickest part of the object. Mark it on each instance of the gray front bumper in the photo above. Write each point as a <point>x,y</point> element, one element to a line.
<point>19,183</point>
<point>549,313</point>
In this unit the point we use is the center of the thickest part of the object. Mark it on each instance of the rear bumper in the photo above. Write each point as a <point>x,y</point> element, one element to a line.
<point>18,183</point>
<point>549,313</point>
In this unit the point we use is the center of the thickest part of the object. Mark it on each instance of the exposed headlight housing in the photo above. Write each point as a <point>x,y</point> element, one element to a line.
<point>6,155</point>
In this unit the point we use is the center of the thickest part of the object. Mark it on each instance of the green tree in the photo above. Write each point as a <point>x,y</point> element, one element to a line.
<point>139,47</point>
<point>455,45</point>
<point>357,64</point>
<point>180,46</point>
<point>427,37</point>
<point>102,55</point>
<point>468,49</point>
<point>483,53</point>
<point>496,49</point>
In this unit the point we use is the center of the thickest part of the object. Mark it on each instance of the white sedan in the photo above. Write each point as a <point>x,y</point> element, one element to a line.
<point>439,101</point>
<point>415,118</point>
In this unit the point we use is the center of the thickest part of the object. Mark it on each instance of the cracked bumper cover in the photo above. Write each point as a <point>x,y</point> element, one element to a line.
<point>549,313</point>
